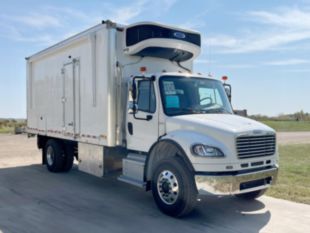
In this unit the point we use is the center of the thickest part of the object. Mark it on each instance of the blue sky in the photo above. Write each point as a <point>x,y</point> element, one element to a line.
<point>262,46</point>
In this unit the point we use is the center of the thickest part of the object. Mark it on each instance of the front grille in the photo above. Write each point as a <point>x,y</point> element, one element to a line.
<point>256,146</point>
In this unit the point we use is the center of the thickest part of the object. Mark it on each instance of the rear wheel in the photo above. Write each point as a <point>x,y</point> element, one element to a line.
<point>173,187</point>
<point>252,195</point>
<point>54,156</point>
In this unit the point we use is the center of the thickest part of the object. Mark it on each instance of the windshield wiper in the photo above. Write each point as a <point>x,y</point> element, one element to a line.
<point>191,111</point>
<point>217,110</point>
<point>201,111</point>
<point>184,110</point>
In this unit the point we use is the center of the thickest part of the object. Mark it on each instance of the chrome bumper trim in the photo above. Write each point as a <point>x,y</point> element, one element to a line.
<point>230,184</point>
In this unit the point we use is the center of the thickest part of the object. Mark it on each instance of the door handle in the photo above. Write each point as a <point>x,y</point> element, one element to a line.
<point>70,124</point>
<point>130,128</point>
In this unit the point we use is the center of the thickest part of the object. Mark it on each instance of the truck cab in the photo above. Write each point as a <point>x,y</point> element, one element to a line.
<point>178,119</point>
<point>189,119</point>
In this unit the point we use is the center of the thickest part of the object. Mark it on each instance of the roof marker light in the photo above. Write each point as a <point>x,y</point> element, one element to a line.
<point>224,78</point>
<point>142,69</point>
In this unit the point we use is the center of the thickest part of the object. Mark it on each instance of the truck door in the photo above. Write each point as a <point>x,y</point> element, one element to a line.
<point>70,73</point>
<point>142,126</point>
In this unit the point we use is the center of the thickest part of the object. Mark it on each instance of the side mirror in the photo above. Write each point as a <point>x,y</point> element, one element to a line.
<point>132,106</point>
<point>243,112</point>
<point>227,88</point>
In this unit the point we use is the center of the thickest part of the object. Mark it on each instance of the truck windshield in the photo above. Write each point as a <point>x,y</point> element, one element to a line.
<point>192,95</point>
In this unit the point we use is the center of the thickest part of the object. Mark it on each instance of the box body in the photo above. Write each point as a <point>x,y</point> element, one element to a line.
<point>70,88</point>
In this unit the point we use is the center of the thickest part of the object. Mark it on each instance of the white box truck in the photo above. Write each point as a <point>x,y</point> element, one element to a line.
<point>126,99</point>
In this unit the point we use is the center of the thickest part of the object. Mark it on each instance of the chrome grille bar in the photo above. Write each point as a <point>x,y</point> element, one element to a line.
<point>255,146</point>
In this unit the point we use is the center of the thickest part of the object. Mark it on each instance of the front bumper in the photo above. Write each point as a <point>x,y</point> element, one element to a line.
<point>222,184</point>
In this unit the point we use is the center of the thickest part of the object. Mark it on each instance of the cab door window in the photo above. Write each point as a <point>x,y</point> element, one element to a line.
<point>146,96</point>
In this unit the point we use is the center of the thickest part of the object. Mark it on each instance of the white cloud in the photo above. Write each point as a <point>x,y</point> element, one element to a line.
<point>35,20</point>
<point>195,22</point>
<point>12,33</point>
<point>224,41</point>
<point>65,12</point>
<point>236,66</point>
<point>280,29</point>
<point>167,4</point>
<point>288,62</point>
<point>255,43</point>
<point>203,61</point>
<point>297,70</point>
<point>49,24</point>
<point>287,18</point>
<point>124,14</point>
<point>44,28</point>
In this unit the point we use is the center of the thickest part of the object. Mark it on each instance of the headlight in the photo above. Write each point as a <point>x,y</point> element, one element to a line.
<point>206,151</point>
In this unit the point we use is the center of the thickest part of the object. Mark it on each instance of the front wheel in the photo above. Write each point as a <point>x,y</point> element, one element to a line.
<point>252,195</point>
<point>173,187</point>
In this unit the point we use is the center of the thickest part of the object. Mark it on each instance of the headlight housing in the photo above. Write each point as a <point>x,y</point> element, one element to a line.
<point>206,151</point>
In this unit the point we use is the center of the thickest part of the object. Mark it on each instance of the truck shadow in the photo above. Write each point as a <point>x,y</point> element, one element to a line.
<point>230,214</point>
<point>34,200</point>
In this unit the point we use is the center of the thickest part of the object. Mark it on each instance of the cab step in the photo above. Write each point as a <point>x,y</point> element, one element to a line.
<point>133,170</point>
<point>131,181</point>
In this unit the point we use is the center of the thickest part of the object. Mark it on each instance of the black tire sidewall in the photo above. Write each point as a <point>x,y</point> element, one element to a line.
<point>187,190</point>
<point>59,156</point>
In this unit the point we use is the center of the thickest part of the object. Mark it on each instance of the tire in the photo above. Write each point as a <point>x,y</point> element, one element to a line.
<point>252,195</point>
<point>69,158</point>
<point>173,187</point>
<point>54,156</point>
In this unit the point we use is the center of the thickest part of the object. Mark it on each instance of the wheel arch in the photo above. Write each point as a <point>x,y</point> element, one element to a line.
<point>162,149</point>
<point>66,144</point>
<point>41,141</point>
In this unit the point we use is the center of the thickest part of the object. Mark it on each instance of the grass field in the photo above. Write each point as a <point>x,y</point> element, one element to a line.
<point>5,129</point>
<point>294,175</point>
<point>288,126</point>
<point>8,125</point>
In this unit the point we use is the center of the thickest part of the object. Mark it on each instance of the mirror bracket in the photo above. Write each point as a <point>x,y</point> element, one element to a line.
<point>227,88</point>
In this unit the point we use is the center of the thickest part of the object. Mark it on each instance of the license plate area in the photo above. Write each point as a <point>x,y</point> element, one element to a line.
<point>255,183</point>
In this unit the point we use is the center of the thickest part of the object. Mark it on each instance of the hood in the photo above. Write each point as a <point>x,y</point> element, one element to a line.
<point>228,123</point>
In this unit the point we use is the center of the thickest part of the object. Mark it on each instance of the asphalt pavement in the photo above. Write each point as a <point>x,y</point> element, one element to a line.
<point>293,137</point>
<point>34,200</point>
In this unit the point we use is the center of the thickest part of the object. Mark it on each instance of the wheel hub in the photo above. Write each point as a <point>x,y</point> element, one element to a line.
<point>165,187</point>
<point>168,187</point>
<point>50,156</point>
